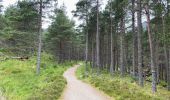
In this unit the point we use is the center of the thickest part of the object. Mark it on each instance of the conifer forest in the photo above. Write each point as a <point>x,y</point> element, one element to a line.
<point>84,49</point>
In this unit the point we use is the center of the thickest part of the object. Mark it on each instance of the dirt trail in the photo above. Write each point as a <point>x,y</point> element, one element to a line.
<point>78,90</point>
<point>2,98</point>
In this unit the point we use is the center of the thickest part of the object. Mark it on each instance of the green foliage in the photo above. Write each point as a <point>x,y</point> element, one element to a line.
<point>62,37</point>
<point>23,16</point>
<point>122,88</point>
<point>61,28</point>
<point>20,82</point>
<point>3,22</point>
<point>18,28</point>
<point>82,9</point>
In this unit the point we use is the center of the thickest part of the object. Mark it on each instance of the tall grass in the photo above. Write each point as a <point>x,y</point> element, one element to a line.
<point>122,88</point>
<point>18,79</point>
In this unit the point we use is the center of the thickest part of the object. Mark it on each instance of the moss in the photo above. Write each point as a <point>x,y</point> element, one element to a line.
<point>122,88</point>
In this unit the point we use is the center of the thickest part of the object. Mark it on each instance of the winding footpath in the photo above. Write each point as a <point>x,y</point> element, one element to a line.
<point>78,90</point>
<point>2,98</point>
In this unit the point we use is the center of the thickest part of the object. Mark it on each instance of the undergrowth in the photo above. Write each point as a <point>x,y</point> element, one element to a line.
<point>18,79</point>
<point>121,88</point>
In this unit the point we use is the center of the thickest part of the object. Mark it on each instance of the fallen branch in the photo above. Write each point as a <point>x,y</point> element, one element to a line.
<point>20,58</point>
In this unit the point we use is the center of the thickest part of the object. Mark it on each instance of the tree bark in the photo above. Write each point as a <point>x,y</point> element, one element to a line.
<point>134,39</point>
<point>122,66</point>
<point>93,55</point>
<point>98,41</point>
<point>157,61</point>
<point>140,69</point>
<point>165,53</point>
<point>168,73</point>
<point>111,40</point>
<point>87,42</point>
<point>153,68</point>
<point>40,39</point>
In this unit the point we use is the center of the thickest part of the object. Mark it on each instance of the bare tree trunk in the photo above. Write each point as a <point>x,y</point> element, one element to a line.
<point>156,42</point>
<point>116,48</point>
<point>93,55</point>
<point>165,53</point>
<point>153,69</point>
<point>168,73</point>
<point>140,69</point>
<point>157,61</point>
<point>108,52</point>
<point>40,39</point>
<point>111,39</point>
<point>98,40</point>
<point>126,55</point>
<point>122,66</point>
<point>134,39</point>
<point>168,67</point>
<point>87,42</point>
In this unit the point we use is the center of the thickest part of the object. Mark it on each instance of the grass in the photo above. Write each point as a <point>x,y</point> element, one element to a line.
<point>18,79</point>
<point>122,88</point>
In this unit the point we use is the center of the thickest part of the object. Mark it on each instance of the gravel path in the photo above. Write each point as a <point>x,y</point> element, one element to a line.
<point>78,90</point>
<point>2,98</point>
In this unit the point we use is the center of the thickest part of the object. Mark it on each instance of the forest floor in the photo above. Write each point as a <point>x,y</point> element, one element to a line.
<point>78,90</point>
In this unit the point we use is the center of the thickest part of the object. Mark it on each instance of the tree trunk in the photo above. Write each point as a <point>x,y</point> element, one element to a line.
<point>108,60</point>
<point>140,69</point>
<point>134,39</point>
<point>87,42</point>
<point>122,66</point>
<point>93,55</point>
<point>153,68</point>
<point>165,52</point>
<point>157,61</point>
<point>98,41</point>
<point>168,73</point>
<point>40,39</point>
<point>126,54</point>
<point>111,40</point>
